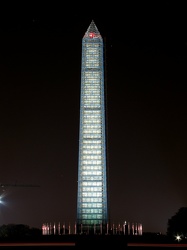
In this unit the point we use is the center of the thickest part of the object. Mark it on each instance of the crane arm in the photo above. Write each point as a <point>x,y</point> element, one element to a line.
<point>18,185</point>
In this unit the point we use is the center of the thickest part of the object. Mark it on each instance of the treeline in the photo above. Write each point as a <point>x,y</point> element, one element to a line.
<point>176,228</point>
<point>18,231</point>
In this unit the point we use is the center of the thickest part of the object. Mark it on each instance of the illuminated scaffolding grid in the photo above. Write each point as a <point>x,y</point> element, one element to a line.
<point>92,204</point>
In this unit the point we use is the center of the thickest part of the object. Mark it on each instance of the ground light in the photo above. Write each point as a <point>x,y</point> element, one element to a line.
<point>178,237</point>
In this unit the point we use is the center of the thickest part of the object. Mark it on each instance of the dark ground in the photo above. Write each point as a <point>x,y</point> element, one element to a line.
<point>94,241</point>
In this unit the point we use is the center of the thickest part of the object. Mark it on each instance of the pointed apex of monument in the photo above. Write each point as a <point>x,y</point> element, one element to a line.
<point>92,28</point>
<point>92,31</point>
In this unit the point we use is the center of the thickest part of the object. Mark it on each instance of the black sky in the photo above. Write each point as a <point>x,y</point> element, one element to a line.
<point>40,63</point>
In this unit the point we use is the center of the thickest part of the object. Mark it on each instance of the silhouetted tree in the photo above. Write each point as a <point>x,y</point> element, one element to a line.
<point>177,224</point>
<point>18,230</point>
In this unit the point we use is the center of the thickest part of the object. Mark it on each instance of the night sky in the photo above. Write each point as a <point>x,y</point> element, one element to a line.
<point>146,66</point>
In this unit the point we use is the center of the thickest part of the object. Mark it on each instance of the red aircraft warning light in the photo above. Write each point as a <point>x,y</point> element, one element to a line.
<point>91,35</point>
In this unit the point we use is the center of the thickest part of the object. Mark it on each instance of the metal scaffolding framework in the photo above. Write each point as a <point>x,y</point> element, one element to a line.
<point>92,202</point>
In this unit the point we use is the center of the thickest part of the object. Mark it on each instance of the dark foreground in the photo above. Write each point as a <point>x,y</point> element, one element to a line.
<point>71,242</point>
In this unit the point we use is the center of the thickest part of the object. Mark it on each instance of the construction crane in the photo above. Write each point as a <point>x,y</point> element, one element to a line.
<point>3,185</point>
